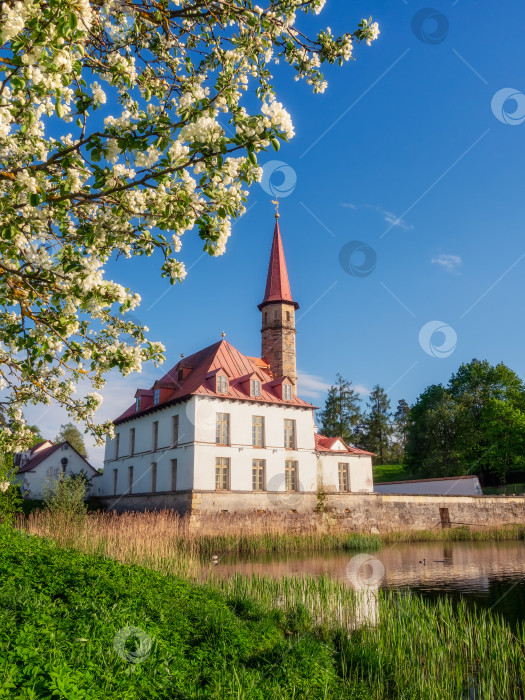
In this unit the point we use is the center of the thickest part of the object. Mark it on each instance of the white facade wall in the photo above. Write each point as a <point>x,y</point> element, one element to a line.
<point>241,452</point>
<point>143,456</point>
<point>196,451</point>
<point>33,482</point>
<point>359,470</point>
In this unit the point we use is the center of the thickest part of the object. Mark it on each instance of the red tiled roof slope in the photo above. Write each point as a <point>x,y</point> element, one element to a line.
<point>221,355</point>
<point>325,444</point>
<point>41,455</point>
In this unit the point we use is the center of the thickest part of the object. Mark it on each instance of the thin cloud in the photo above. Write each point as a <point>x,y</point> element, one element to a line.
<point>388,216</point>
<point>311,386</point>
<point>451,263</point>
<point>394,220</point>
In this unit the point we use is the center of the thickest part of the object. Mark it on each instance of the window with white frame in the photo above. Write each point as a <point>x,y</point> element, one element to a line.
<point>255,387</point>
<point>115,479</point>
<point>344,481</point>
<point>289,434</point>
<point>222,384</point>
<point>117,444</point>
<point>132,441</point>
<point>137,403</point>
<point>287,392</point>
<point>155,435</point>
<point>290,474</point>
<point>258,469</point>
<point>222,473</point>
<point>130,479</point>
<point>222,429</point>
<point>156,396</point>
<point>258,431</point>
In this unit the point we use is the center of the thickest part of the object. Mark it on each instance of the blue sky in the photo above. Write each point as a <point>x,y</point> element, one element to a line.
<point>403,154</point>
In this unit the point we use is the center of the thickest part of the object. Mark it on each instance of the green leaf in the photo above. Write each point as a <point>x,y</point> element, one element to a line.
<point>276,145</point>
<point>34,199</point>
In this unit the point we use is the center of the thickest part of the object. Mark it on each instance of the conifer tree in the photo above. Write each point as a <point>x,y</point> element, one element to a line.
<point>377,427</point>
<point>342,412</point>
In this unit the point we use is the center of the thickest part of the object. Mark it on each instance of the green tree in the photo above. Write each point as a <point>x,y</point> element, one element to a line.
<point>342,412</point>
<point>377,425</point>
<point>401,420</point>
<point>432,434</point>
<point>70,433</point>
<point>476,425</point>
<point>483,392</point>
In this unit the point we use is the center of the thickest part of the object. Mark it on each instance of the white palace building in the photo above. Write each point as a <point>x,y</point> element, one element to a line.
<point>223,431</point>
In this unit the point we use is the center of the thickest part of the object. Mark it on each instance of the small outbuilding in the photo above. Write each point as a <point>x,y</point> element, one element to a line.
<point>46,461</point>
<point>445,486</point>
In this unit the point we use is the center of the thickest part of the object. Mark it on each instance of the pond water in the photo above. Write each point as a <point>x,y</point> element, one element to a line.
<point>489,574</point>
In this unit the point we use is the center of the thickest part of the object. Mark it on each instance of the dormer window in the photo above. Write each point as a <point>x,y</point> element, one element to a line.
<point>137,404</point>
<point>180,374</point>
<point>156,397</point>
<point>255,387</point>
<point>222,384</point>
<point>287,392</point>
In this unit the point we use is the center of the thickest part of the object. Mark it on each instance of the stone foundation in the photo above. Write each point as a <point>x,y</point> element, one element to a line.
<point>352,512</point>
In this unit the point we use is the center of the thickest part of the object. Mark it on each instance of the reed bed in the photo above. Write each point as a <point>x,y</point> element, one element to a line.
<point>175,544</point>
<point>397,644</point>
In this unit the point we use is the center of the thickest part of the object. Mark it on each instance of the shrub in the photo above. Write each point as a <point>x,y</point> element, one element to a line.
<point>64,497</point>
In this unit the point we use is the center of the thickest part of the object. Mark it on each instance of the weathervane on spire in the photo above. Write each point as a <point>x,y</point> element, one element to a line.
<point>276,202</point>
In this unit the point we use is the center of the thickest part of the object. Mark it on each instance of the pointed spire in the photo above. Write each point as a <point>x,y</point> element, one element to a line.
<point>277,284</point>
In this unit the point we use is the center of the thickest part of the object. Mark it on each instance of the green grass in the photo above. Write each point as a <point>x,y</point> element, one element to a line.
<point>508,490</point>
<point>249,638</point>
<point>391,472</point>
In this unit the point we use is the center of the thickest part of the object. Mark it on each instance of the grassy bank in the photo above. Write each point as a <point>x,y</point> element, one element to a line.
<point>391,472</point>
<point>64,616</point>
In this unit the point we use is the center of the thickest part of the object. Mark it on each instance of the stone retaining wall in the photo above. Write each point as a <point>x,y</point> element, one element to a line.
<point>350,512</point>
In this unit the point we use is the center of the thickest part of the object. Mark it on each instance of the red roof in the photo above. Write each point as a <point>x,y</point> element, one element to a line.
<point>325,444</point>
<point>277,284</point>
<point>41,455</point>
<point>199,380</point>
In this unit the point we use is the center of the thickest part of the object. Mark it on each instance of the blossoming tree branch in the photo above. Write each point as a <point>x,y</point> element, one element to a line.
<point>178,152</point>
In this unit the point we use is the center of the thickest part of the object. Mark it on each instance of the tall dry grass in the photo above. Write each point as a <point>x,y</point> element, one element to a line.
<point>176,544</point>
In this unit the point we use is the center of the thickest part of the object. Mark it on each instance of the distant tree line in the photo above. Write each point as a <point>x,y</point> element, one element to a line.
<point>473,425</point>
